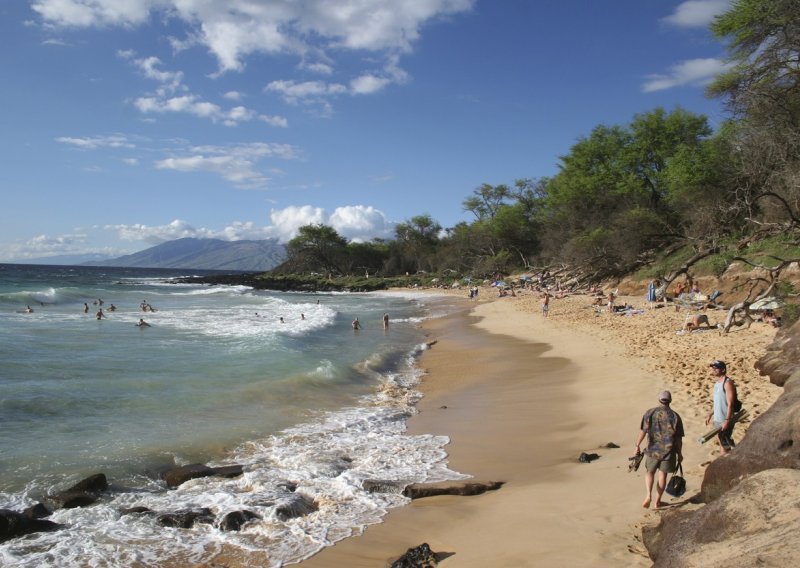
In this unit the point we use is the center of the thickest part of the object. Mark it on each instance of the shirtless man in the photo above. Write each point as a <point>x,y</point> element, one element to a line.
<point>356,325</point>
<point>385,321</point>
<point>142,323</point>
<point>100,315</point>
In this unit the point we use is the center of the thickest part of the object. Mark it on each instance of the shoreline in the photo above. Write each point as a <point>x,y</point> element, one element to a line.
<point>602,372</point>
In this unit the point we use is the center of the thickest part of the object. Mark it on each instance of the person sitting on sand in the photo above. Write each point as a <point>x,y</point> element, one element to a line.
<point>142,323</point>
<point>664,429</point>
<point>696,321</point>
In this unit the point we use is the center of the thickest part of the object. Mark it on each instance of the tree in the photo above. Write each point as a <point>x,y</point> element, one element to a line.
<point>317,247</point>
<point>416,243</point>
<point>762,90</point>
<point>486,200</point>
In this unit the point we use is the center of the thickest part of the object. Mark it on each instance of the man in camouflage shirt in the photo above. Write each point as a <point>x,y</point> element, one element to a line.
<point>664,429</point>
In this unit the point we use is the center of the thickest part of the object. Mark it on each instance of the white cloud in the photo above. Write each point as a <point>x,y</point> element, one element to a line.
<point>368,84</point>
<point>697,13</point>
<point>94,142</point>
<point>696,72</point>
<point>191,104</point>
<point>170,82</point>
<point>232,30</point>
<point>354,222</point>
<point>286,222</point>
<point>360,222</point>
<point>43,246</point>
<point>237,164</point>
<point>86,13</point>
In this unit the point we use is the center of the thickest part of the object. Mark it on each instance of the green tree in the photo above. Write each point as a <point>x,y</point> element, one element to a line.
<point>762,90</point>
<point>317,247</point>
<point>416,241</point>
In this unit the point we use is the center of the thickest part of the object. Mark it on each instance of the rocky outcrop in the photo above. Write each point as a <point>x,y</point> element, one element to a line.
<point>179,475</point>
<point>418,557</point>
<point>186,519</point>
<point>755,524</point>
<point>234,520</point>
<point>782,359</point>
<point>293,506</point>
<point>82,494</point>
<point>465,488</point>
<point>13,524</point>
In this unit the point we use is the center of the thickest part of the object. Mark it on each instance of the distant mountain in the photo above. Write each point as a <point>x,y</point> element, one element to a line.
<point>205,254</point>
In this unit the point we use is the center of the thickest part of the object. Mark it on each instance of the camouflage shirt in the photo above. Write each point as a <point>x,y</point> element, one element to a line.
<point>663,427</point>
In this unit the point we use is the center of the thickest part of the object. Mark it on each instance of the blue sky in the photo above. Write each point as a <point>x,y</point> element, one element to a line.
<point>127,123</point>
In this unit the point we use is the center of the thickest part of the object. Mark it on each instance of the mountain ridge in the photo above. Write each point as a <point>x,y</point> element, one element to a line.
<point>205,254</point>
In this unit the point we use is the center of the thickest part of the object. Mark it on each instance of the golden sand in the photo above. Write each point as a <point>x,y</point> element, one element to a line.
<point>521,396</point>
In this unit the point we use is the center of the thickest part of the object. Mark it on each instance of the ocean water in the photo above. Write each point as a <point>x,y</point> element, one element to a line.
<point>217,379</point>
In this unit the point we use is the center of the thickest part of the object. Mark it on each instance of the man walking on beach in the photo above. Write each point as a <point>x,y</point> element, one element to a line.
<point>664,429</point>
<point>724,396</point>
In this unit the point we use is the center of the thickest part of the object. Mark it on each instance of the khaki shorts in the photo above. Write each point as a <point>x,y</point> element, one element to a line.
<point>668,465</point>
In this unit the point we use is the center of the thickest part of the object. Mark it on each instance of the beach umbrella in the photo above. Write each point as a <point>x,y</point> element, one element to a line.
<point>768,303</point>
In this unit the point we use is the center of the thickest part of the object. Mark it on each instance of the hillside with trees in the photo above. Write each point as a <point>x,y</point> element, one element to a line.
<point>659,196</point>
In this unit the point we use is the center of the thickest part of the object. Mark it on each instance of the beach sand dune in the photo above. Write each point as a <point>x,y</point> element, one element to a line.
<point>522,396</point>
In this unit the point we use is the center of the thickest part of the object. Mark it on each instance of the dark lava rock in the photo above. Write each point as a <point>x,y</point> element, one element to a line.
<point>380,486</point>
<point>587,458</point>
<point>136,511</point>
<point>178,475</point>
<point>38,511</point>
<point>186,519</point>
<point>13,524</point>
<point>463,488</point>
<point>235,520</point>
<point>293,506</point>
<point>419,557</point>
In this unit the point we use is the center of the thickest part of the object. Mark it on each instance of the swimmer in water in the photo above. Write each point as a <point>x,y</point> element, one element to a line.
<point>356,325</point>
<point>142,323</point>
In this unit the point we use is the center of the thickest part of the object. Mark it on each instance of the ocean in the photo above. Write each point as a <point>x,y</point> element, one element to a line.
<point>306,405</point>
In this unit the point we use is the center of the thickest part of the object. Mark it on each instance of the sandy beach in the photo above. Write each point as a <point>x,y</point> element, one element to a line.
<point>521,396</point>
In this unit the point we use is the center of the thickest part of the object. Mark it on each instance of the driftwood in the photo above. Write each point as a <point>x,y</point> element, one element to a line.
<point>760,287</point>
<point>739,416</point>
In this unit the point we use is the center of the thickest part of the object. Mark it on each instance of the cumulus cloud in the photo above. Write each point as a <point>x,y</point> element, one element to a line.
<point>232,30</point>
<point>179,229</point>
<point>237,164</point>
<point>697,13</point>
<point>696,72</point>
<point>44,246</point>
<point>354,222</point>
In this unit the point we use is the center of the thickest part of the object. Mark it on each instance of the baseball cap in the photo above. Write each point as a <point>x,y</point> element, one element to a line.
<point>718,364</point>
<point>665,396</point>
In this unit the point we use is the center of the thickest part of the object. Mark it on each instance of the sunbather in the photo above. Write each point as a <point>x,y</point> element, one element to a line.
<point>696,321</point>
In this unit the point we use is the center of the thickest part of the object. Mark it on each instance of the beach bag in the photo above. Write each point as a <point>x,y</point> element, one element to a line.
<point>677,484</point>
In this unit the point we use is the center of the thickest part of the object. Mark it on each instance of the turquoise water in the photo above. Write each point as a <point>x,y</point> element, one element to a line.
<point>217,378</point>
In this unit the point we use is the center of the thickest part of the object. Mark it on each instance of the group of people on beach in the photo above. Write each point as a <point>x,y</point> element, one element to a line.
<point>663,428</point>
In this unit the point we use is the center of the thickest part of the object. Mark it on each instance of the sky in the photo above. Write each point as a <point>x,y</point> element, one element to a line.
<point>128,123</point>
